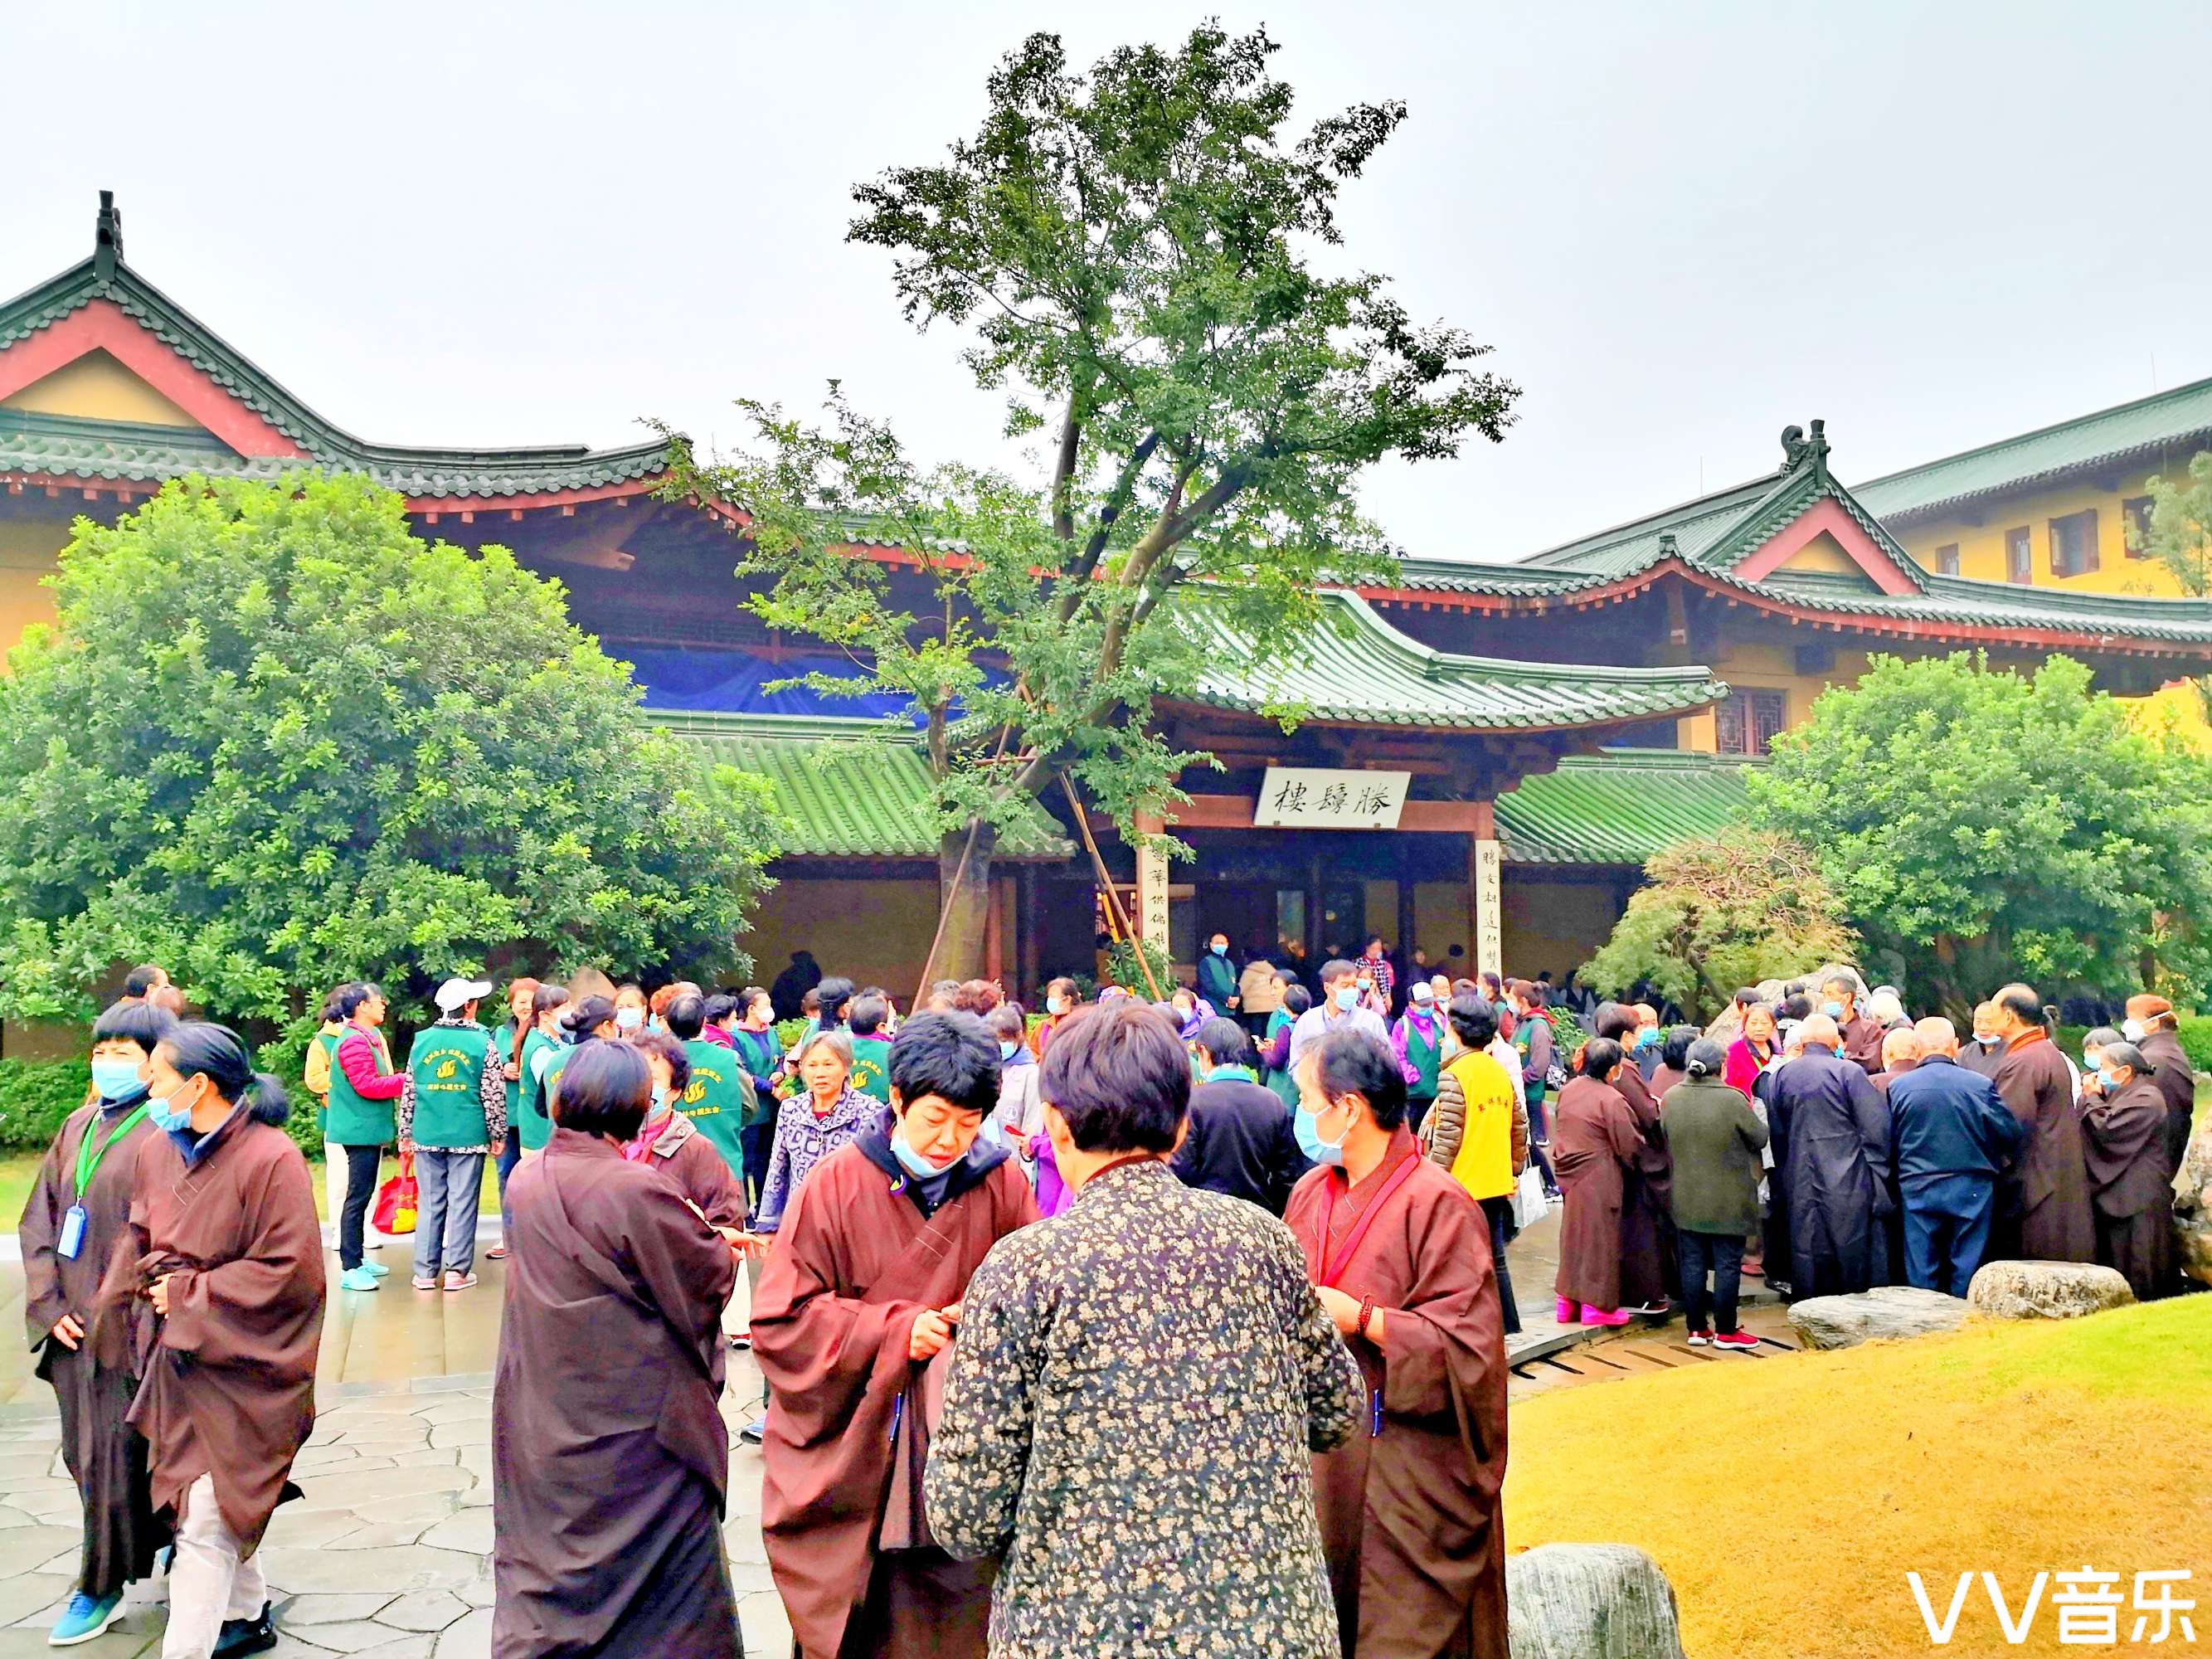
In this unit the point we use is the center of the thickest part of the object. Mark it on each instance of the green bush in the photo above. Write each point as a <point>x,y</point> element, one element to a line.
<point>787,1032</point>
<point>36,1097</point>
<point>2196,1033</point>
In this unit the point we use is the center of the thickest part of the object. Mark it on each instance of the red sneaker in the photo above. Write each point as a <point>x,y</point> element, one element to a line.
<point>1736,1342</point>
<point>1699,1339</point>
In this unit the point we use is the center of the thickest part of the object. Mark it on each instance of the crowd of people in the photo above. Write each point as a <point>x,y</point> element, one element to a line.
<point>981,1258</point>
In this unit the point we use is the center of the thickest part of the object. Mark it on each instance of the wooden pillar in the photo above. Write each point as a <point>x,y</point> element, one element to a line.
<point>994,931</point>
<point>1405,941</point>
<point>1028,931</point>
<point>1486,904</point>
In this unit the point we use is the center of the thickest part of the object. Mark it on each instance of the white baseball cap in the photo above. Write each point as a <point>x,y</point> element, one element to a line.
<point>456,994</point>
<point>1423,990</point>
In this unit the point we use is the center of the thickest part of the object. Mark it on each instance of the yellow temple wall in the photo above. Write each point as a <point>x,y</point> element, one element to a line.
<point>96,387</point>
<point>27,547</point>
<point>1749,665</point>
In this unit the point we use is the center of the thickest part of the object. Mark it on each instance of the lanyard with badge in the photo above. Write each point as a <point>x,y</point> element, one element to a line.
<point>89,1151</point>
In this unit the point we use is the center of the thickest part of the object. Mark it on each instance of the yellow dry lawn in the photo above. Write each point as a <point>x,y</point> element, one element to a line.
<point>1787,1497</point>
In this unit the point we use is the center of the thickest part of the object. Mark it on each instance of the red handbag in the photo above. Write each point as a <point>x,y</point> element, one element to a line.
<point>394,1213</point>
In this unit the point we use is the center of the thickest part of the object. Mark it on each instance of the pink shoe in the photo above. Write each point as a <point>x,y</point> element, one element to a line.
<point>1599,1317</point>
<point>1565,1314</point>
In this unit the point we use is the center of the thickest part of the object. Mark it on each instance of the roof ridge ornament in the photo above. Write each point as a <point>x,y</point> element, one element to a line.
<point>1797,449</point>
<point>107,238</point>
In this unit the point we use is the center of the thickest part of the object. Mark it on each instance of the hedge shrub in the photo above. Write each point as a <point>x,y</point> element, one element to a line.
<point>37,1094</point>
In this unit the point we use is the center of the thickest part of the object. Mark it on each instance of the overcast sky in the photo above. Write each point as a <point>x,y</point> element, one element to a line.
<point>1682,226</point>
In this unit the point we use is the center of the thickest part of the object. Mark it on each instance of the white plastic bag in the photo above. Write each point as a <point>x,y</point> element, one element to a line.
<point>1528,1201</point>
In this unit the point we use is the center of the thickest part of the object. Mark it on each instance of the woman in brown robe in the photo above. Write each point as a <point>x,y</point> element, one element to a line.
<point>857,1309</point>
<point>1649,1271</point>
<point>77,1208</point>
<point>216,1285</point>
<point>671,1143</point>
<point>1595,1142</point>
<point>610,1458</point>
<point>1410,1510</point>
<point>2123,1147</point>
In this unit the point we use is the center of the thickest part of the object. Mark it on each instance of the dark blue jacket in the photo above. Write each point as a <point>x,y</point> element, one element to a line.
<point>1947,1120</point>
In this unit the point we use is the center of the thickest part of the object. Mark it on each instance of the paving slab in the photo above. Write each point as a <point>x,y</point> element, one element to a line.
<point>304,1610</point>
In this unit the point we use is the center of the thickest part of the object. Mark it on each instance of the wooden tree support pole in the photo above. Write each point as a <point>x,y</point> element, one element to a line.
<point>944,916</point>
<point>1114,918</point>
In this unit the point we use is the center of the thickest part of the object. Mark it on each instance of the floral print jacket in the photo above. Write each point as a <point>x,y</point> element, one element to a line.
<point>1136,1393</point>
<point>803,1140</point>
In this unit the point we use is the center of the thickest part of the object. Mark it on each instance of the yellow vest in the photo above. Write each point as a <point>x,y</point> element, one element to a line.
<point>1484,1163</point>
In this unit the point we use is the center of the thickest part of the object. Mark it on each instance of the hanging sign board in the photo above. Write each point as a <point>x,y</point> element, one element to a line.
<point>1315,798</point>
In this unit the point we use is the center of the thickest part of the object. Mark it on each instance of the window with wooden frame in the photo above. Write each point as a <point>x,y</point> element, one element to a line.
<point>2073,543</point>
<point>1745,722</point>
<point>2135,515</point>
<point>2019,562</point>
<point>1946,560</point>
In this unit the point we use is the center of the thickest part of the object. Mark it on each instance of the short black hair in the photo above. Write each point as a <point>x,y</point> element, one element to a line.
<point>950,1055</point>
<point>867,1015</point>
<point>143,979</point>
<point>606,1088</point>
<point>1295,998</point>
<point>1334,968</point>
<point>719,1005</point>
<point>660,1044</point>
<point>685,1017</point>
<point>1747,996</point>
<point>139,1022</point>
<point>1613,1019</point>
<point>1674,1047</point>
<point>197,1048</point>
<point>1474,1020</point>
<point>1118,1076</point>
<point>592,1012</point>
<point>1601,1057</point>
<point>1372,939</point>
<point>1797,1005</point>
<point>1226,1041</point>
<point>1350,1061</point>
<point>830,998</point>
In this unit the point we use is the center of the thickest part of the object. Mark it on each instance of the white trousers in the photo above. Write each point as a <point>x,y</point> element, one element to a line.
<point>334,1190</point>
<point>208,1583</point>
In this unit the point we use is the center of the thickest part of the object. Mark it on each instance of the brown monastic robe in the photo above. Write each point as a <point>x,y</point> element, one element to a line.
<point>106,1456</point>
<point>1411,1516</point>
<point>229,1372</point>
<point>1862,1042</point>
<point>855,1261</point>
<point>2176,1083</point>
<point>1648,1270</point>
<point>2124,1146</point>
<point>609,1456</point>
<point>1595,1142</point>
<point>697,1169</point>
<point>2050,1191</point>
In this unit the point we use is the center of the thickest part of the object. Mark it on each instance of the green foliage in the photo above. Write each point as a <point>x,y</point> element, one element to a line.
<point>278,742</point>
<point>1567,1033</point>
<point>1987,825</point>
<point>2195,1031</point>
<point>1123,969</point>
<point>1131,253</point>
<point>2180,537</point>
<point>1719,913</point>
<point>788,1031</point>
<point>36,1097</point>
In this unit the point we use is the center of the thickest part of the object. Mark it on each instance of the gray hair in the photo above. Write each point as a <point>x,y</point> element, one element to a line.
<point>838,1044</point>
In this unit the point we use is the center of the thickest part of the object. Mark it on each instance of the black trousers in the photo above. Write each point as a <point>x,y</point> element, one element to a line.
<point>1500,1211</point>
<point>361,1191</point>
<point>1721,1256</point>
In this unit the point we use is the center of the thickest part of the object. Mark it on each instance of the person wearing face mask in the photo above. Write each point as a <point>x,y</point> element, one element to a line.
<point>1648,1268</point>
<point>216,1284</point>
<point>671,1143</point>
<point>1018,1121</point>
<point>719,1092</point>
<point>2043,1211</point>
<point>2150,1025</point>
<point>452,1115</point>
<point>361,1124</point>
<point>1597,1139</point>
<point>506,1051</point>
<point>610,1458</point>
<point>1400,1254</point>
<point>1060,1002</point>
<point>2130,1186</point>
<point>78,1207</point>
<point>826,1113</point>
<point>859,1306</point>
<point>632,1009</point>
<point>1217,976</point>
<point>1861,1036</point>
<point>1418,1039</point>
<point>1341,1006</point>
<point>1480,1128</point>
<point>753,1042</point>
<point>538,1039</point>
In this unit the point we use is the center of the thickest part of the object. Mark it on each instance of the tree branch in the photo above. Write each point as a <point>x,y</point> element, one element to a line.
<point>1124,487</point>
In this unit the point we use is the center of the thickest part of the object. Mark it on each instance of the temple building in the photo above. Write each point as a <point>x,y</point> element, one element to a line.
<point>1489,752</point>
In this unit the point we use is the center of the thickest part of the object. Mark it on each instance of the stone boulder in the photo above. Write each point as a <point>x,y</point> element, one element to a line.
<point>2192,1207</point>
<point>1590,1602</point>
<point>1887,1310</point>
<point>2045,1290</point>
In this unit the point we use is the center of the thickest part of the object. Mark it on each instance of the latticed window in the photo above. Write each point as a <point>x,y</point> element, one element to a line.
<point>2073,543</point>
<point>1747,720</point>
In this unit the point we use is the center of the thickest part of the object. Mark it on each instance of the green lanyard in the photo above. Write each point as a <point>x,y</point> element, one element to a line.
<point>88,1155</point>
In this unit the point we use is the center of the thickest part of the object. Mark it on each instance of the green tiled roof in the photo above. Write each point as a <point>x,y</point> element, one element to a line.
<point>2128,434</point>
<point>1620,806</point>
<point>1715,533</point>
<point>846,793</point>
<point>1362,670</point>
<point>131,452</point>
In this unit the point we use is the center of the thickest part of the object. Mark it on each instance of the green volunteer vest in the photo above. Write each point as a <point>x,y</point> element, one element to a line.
<point>716,1099</point>
<point>872,1067</point>
<point>1424,1054</point>
<point>328,1042</point>
<point>447,1064</point>
<point>1532,1089</point>
<point>529,1119</point>
<point>353,1122</point>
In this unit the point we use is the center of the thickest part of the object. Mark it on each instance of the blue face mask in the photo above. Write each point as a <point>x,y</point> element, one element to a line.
<point>1832,1010</point>
<point>658,1110</point>
<point>1347,997</point>
<point>1006,1048</point>
<point>159,1115</point>
<point>117,1079</point>
<point>913,1162</point>
<point>1307,1128</point>
<point>1221,950</point>
<point>1646,1037</point>
<point>2109,1077</point>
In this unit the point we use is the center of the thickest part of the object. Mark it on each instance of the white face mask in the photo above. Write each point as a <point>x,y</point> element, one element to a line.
<point>2134,1030</point>
<point>629,1018</point>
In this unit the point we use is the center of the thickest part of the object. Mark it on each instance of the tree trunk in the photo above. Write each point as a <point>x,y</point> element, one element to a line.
<point>963,897</point>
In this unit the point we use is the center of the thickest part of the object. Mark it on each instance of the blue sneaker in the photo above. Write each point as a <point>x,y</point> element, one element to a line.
<point>357,1278</point>
<point>85,1618</point>
<point>376,1267</point>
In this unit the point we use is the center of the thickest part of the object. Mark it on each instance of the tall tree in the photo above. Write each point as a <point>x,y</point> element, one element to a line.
<point>276,741</point>
<point>2179,537</point>
<point>1987,825</point>
<point>1136,258</point>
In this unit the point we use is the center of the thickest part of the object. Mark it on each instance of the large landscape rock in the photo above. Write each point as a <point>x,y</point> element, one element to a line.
<point>1887,1310</point>
<point>2045,1290</point>
<point>1590,1602</point>
<point>2193,1206</point>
